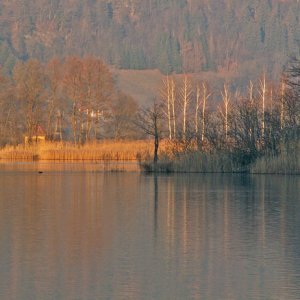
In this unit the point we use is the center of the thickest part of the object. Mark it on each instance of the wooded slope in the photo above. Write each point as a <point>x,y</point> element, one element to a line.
<point>170,35</point>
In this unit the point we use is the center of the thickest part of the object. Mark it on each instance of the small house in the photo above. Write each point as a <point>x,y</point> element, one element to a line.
<point>38,135</point>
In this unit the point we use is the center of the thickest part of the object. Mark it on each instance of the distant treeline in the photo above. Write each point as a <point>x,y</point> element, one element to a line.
<point>171,35</point>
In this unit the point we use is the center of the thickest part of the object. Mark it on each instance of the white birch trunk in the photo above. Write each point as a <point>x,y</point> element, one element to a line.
<point>282,94</point>
<point>169,108</point>
<point>197,110</point>
<point>226,100</point>
<point>263,92</point>
<point>186,97</point>
<point>205,97</point>
<point>184,106</point>
<point>173,107</point>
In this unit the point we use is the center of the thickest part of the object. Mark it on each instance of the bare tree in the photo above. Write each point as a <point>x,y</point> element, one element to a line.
<point>205,97</point>
<point>173,102</point>
<point>282,102</point>
<point>225,109</point>
<point>149,120</point>
<point>55,102</point>
<point>263,94</point>
<point>97,93</point>
<point>72,81</point>
<point>123,112</point>
<point>166,96</point>
<point>89,85</point>
<point>201,100</point>
<point>245,128</point>
<point>186,96</point>
<point>10,122</point>
<point>30,84</point>
<point>292,95</point>
<point>197,106</point>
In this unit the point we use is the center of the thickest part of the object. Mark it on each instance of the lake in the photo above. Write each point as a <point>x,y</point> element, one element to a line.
<point>76,232</point>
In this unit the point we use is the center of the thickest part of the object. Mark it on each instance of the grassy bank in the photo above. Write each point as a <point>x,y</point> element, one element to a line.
<point>222,162</point>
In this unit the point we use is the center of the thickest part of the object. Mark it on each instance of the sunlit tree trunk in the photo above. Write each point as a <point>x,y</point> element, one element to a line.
<point>197,110</point>
<point>226,100</point>
<point>282,95</point>
<point>50,118</point>
<point>173,107</point>
<point>74,123</point>
<point>88,125</point>
<point>205,98</point>
<point>186,97</point>
<point>169,111</point>
<point>60,117</point>
<point>250,90</point>
<point>263,93</point>
<point>167,98</point>
<point>185,105</point>
<point>271,117</point>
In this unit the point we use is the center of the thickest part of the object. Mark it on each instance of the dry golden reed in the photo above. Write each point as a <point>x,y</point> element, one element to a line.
<point>99,151</point>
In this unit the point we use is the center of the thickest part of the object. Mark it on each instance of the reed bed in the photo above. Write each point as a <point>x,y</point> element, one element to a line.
<point>142,151</point>
<point>101,151</point>
<point>18,153</point>
<point>195,162</point>
<point>200,162</point>
<point>282,164</point>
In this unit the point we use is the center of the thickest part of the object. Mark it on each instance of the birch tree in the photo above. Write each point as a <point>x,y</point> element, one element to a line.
<point>225,109</point>
<point>197,110</point>
<point>282,96</point>
<point>263,93</point>
<point>173,102</point>
<point>166,95</point>
<point>201,99</point>
<point>186,96</point>
<point>205,97</point>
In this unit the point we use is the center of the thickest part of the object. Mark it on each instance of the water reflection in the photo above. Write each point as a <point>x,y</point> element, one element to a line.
<point>94,235</point>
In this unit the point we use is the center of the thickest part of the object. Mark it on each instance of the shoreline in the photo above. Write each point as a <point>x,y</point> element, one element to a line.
<point>139,153</point>
<point>133,166</point>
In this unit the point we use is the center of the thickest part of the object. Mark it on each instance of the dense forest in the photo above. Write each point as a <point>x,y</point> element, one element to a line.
<point>172,35</point>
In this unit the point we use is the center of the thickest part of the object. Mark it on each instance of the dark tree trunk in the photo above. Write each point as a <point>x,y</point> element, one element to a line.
<point>156,144</point>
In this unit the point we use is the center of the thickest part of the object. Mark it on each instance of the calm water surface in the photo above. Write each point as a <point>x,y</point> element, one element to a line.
<point>75,232</point>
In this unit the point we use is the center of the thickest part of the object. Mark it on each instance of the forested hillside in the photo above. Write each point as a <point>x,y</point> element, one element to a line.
<point>172,35</point>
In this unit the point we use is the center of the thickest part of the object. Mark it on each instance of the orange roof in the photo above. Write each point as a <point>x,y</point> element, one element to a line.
<point>38,130</point>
